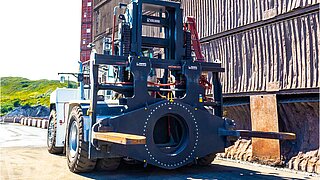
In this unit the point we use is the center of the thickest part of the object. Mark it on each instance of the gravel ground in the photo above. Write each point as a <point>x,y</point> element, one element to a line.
<point>24,156</point>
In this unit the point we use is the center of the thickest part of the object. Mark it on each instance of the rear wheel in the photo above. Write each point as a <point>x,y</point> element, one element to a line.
<point>51,135</point>
<point>76,147</point>
<point>108,164</point>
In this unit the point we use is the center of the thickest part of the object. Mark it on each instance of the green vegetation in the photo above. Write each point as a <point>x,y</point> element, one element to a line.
<point>18,91</point>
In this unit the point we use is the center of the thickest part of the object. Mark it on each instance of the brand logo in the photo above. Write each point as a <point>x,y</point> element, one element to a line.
<point>153,20</point>
<point>141,64</point>
<point>192,67</point>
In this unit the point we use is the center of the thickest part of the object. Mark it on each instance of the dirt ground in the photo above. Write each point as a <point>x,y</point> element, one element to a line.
<point>34,162</point>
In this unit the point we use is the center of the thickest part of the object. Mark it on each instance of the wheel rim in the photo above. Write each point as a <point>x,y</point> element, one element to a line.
<point>73,139</point>
<point>50,132</point>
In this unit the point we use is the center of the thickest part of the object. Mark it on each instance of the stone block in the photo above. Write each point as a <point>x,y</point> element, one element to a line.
<point>303,164</point>
<point>311,164</point>
<point>317,167</point>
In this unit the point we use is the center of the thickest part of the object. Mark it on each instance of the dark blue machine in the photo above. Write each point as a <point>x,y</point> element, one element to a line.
<point>179,130</point>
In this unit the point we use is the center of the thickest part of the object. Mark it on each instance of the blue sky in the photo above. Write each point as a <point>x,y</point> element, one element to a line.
<point>39,38</point>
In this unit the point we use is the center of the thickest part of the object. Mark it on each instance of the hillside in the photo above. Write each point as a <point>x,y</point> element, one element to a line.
<point>18,91</point>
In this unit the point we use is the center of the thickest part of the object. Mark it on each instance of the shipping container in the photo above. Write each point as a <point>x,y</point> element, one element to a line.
<point>86,30</point>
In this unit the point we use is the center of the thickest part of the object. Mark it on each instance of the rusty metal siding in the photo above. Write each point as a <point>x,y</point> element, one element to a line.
<point>221,15</point>
<point>279,56</point>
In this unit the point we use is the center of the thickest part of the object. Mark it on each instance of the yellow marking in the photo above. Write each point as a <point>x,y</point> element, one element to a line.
<point>90,111</point>
<point>170,97</point>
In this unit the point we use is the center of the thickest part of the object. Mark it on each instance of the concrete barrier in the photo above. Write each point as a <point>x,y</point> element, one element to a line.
<point>39,123</point>
<point>8,119</point>
<point>29,122</point>
<point>25,121</point>
<point>34,122</point>
<point>21,121</point>
<point>44,124</point>
<point>17,120</point>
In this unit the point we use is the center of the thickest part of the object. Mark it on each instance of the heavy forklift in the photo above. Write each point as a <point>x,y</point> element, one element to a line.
<point>167,112</point>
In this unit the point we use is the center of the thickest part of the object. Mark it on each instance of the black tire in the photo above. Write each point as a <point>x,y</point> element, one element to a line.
<point>207,160</point>
<point>78,160</point>
<point>108,164</point>
<point>51,132</point>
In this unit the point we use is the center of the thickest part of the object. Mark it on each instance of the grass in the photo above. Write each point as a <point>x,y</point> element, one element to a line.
<point>18,91</point>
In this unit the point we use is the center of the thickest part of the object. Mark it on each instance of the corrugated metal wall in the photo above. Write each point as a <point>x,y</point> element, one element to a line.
<point>283,55</point>
<point>221,15</point>
<point>277,56</point>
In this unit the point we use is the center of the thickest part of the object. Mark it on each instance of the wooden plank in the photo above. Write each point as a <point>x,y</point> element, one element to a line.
<point>119,138</point>
<point>264,117</point>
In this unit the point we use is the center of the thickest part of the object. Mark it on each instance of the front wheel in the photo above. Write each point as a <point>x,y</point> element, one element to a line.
<point>76,147</point>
